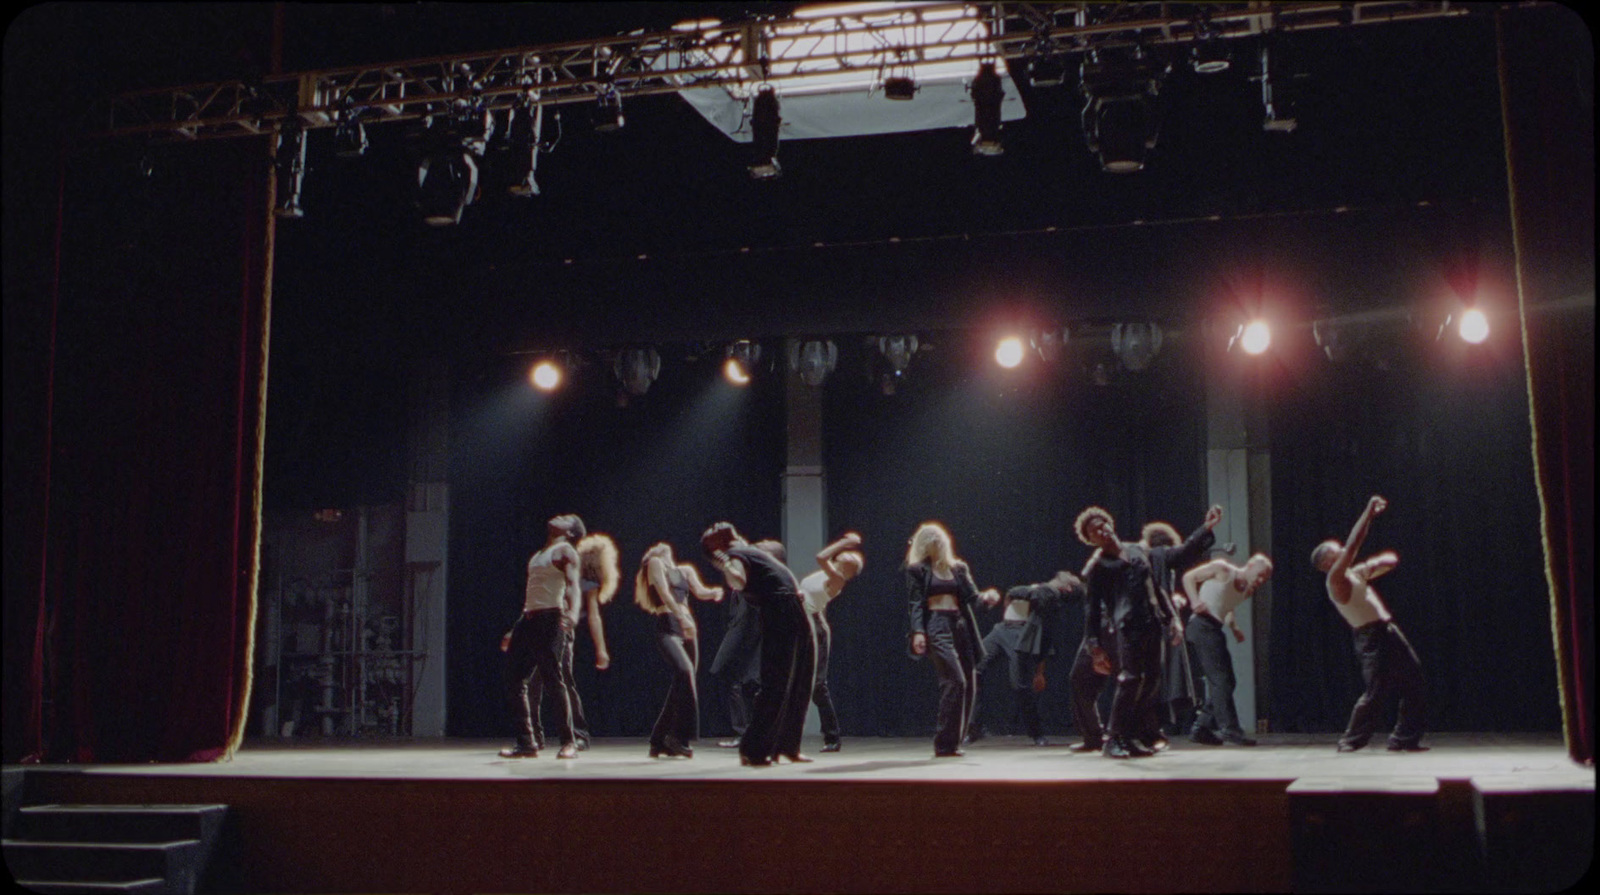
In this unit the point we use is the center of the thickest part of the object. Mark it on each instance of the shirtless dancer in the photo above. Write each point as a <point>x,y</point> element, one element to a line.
<point>1389,666</point>
<point>1216,589</point>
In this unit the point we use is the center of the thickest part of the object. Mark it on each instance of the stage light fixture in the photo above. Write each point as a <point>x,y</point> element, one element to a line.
<point>547,374</point>
<point>1254,337</point>
<point>636,369</point>
<point>1135,344</point>
<point>447,182</point>
<point>900,87</point>
<point>1050,343</point>
<point>765,121</point>
<point>1120,116</point>
<point>896,352</point>
<point>1474,326</point>
<point>742,357</point>
<point>350,135</point>
<point>1046,65</point>
<point>1008,353</point>
<point>813,359</point>
<point>1279,98</point>
<point>524,129</point>
<point>987,95</point>
<point>1209,55</point>
<point>290,159</point>
<point>608,110</point>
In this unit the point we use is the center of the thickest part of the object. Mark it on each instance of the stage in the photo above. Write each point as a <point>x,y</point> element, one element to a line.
<point>882,815</point>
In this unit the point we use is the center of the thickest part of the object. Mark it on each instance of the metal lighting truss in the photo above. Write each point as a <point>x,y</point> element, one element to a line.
<point>815,46</point>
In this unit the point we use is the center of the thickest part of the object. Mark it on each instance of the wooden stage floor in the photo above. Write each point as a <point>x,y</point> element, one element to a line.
<point>451,816</point>
<point>1284,757</point>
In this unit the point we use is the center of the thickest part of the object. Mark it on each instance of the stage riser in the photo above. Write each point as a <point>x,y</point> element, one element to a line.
<point>449,836</point>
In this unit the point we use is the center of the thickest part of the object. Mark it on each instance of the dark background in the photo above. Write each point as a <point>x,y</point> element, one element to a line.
<point>1391,195</point>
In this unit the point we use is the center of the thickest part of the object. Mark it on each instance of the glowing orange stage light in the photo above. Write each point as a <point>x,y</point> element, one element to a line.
<point>735,372</point>
<point>546,375</point>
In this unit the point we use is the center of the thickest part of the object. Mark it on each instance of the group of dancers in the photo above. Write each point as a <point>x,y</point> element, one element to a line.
<point>1148,606</point>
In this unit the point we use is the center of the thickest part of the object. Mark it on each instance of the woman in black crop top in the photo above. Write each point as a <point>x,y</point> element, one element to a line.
<point>662,587</point>
<point>944,627</point>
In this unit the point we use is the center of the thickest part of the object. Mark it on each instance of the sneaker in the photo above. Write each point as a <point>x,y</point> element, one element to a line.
<point>569,750</point>
<point>1350,747</point>
<point>1407,747</point>
<point>730,744</point>
<point>1087,746</point>
<point>953,753</point>
<point>519,752</point>
<point>831,747</point>
<point>1205,736</point>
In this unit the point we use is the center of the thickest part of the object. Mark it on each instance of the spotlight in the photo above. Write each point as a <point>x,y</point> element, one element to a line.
<point>896,352</point>
<point>1278,95</point>
<point>290,157</point>
<point>813,360</point>
<point>546,375</point>
<point>1210,56</point>
<point>349,134</point>
<point>608,110</point>
<point>987,95</point>
<point>523,132</point>
<point>1135,344</point>
<point>900,87</point>
<point>1046,65</point>
<point>447,182</point>
<point>1254,337</point>
<point>764,124</point>
<point>1050,343</point>
<point>1120,121</point>
<point>637,369</point>
<point>1008,353</point>
<point>741,361</point>
<point>1474,326</point>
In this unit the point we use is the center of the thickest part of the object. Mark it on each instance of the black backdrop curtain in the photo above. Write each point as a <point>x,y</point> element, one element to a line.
<point>145,611</point>
<point>1547,84</point>
<point>1441,432</point>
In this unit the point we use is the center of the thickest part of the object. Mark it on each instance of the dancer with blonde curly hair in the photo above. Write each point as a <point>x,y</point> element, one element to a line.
<point>663,587</point>
<point>945,628</point>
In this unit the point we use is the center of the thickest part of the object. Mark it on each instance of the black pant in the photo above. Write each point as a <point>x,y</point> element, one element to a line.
<point>1389,668</point>
<point>951,645</point>
<point>679,720</point>
<point>819,692</point>
<point>1138,678</point>
<point>537,645</point>
<point>580,724</point>
<point>1217,714</point>
<point>1086,685</point>
<point>738,665</point>
<point>788,673</point>
<point>1002,640</point>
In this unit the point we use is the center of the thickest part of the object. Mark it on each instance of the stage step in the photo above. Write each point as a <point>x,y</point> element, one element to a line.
<point>113,848</point>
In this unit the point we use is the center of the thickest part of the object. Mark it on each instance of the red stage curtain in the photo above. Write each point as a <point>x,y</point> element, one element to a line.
<point>1547,84</point>
<point>151,498</point>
